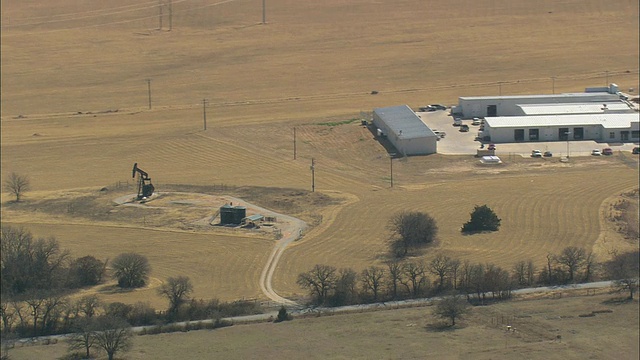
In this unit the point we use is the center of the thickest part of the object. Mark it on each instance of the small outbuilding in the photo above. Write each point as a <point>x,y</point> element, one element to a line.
<point>405,130</point>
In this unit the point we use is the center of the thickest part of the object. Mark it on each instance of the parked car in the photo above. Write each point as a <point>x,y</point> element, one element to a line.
<point>440,134</point>
<point>547,154</point>
<point>476,121</point>
<point>492,147</point>
<point>607,151</point>
<point>438,106</point>
<point>464,128</point>
<point>457,122</point>
<point>636,150</point>
<point>596,152</point>
<point>536,153</point>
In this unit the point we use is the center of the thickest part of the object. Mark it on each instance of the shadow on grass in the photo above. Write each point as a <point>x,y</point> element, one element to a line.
<point>443,326</point>
<point>622,300</point>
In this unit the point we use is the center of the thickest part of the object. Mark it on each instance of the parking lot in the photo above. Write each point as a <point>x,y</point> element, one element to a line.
<point>464,143</point>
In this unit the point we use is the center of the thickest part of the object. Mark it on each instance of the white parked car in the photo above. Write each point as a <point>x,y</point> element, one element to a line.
<point>596,152</point>
<point>476,121</point>
<point>536,153</point>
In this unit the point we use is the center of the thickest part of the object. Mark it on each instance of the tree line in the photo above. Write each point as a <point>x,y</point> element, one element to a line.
<point>38,277</point>
<point>402,279</point>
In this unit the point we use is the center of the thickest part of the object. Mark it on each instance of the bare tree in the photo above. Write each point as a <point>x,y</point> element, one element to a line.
<point>440,266</point>
<point>88,305</point>
<point>319,281</point>
<point>372,280</point>
<point>455,270</point>
<point>624,269</point>
<point>415,279</point>
<point>345,292</point>
<point>131,270</point>
<point>394,268</point>
<point>17,185</point>
<point>176,290</point>
<point>83,336</point>
<point>113,335</point>
<point>572,258</point>
<point>452,307</point>
<point>519,272</point>
<point>410,230</point>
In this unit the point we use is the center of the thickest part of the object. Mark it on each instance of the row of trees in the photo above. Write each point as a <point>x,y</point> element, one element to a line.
<point>329,286</point>
<point>412,230</point>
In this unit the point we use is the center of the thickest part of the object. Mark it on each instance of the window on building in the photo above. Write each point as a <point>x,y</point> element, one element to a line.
<point>612,135</point>
<point>534,134</point>
<point>635,134</point>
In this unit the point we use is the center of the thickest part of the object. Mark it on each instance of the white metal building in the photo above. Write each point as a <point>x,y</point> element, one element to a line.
<point>494,106</point>
<point>598,127</point>
<point>578,108</point>
<point>405,130</point>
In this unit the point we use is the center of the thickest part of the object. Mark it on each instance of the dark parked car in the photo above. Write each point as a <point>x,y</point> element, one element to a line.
<point>636,150</point>
<point>492,147</point>
<point>547,154</point>
<point>464,128</point>
<point>607,151</point>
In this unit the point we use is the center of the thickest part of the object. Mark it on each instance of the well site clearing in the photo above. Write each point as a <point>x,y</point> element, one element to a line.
<point>77,110</point>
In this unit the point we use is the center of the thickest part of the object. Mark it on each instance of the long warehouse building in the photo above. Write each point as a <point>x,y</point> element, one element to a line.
<point>405,130</point>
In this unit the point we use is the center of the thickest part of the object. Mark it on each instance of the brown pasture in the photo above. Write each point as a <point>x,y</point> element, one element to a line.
<point>75,119</point>
<point>547,328</point>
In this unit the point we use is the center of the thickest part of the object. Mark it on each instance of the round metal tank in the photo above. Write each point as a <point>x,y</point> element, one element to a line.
<point>227,214</point>
<point>239,213</point>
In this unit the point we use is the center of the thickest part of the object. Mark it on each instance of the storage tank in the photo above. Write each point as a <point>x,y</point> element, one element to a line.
<point>239,213</point>
<point>227,214</point>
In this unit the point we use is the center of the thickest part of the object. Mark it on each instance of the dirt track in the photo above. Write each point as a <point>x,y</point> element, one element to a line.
<point>290,228</point>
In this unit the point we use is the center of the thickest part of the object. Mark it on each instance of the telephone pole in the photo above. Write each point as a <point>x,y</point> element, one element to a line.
<point>159,14</point>
<point>204,112</point>
<point>294,143</point>
<point>313,175</point>
<point>149,90</point>
<point>170,15</point>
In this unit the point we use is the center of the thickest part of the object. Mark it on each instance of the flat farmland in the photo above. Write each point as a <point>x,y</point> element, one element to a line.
<point>407,334</point>
<point>75,117</point>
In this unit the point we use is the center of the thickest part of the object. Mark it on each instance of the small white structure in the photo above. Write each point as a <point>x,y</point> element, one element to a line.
<point>490,160</point>
<point>405,130</point>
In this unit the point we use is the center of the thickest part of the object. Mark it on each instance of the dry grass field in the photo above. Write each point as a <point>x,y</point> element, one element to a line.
<point>75,117</point>
<point>409,334</point>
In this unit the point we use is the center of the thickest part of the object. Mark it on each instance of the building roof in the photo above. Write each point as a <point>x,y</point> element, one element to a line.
<point>255,217</point>
<point>575,108</point>
<point>612,121</point>
<point>551,97</point>
<point>404,123</point>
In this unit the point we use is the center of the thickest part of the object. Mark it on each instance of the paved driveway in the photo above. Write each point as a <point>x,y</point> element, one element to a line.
<point>464,143</point>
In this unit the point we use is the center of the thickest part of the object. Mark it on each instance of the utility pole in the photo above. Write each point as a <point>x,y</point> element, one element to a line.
<point>170,15</point>
<point>606,78</point>
<point>553,84</point>
<point>500,88</point>
<point>149,88</point>
<point>313,175</point>
<point>294,143</point>
<point>264,12</point>
<point>391,166</point>
<point>204,112</point>
<point>159,14</point>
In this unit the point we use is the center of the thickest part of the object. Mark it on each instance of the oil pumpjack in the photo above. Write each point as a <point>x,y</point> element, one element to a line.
<point>145,187</point>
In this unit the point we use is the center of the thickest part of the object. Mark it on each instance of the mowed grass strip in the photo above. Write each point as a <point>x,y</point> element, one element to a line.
<point>541,214</point>
<point>224,267</point>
